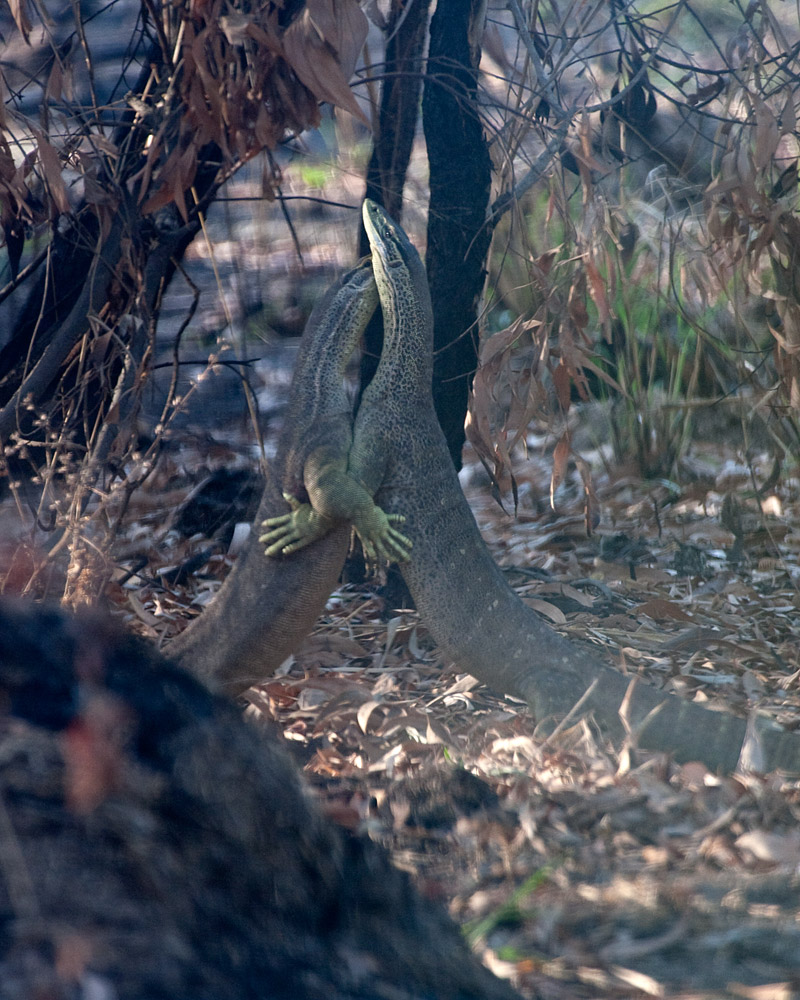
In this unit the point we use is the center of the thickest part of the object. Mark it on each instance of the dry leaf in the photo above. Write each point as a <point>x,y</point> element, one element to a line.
<point>235,25</point>
<point>660,609</point>
<point>310,698</point>
<point>769,991</point>
<point>779,848</point>
<point>322,47</point>
<point>364,712</point>
<point>597,289</point>
<point>51,172</point>
<point>577,595</point>
<point>333,643</point>
<point>20,14</point>
<point>560,458</point>
<point>639,981</point>
<point>561,382</point>
<point>550,611</point>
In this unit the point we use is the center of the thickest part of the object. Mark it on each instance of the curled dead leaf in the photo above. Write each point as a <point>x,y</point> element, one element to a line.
<point>556,615</point>
<point>322,47</point>
<point>364,712</point>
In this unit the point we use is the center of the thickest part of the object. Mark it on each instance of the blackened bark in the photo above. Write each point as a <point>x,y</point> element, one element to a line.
<point>458,233</point>
<point>399,110</point>
<point>56,291</point>
<point>394,139</point>
<point>149,827</point>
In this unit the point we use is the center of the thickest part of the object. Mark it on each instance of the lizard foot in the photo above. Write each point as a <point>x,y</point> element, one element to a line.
<point>383,542</point>
<point>293,531</point>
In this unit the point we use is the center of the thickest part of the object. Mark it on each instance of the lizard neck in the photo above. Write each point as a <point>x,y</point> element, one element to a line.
<point>324,357</point>
<point>405,370</point>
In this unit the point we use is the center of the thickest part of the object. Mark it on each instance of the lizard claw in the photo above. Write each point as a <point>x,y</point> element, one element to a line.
<point>394,546</point>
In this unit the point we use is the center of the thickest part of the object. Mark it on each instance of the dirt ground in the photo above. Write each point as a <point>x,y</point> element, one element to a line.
<point>574,870</point>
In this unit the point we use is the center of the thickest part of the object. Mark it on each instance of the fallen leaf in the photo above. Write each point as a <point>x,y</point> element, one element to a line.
<point>779,848</point>
<point>660,609</point>
<point>364,712</point>
<point>556,615</point>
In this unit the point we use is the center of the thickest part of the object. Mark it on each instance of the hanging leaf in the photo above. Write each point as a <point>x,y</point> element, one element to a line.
<point>560,459</point>
<point>20,14</point>
<point>597,289</point>
<point>561,381</point>
<point>322,47</point>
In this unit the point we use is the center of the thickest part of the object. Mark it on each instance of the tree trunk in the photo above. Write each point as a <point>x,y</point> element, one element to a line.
<point>394,139</point>
<point>458,233</point>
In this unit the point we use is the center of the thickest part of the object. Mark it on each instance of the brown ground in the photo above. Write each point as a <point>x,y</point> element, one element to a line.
<point>575,872</point>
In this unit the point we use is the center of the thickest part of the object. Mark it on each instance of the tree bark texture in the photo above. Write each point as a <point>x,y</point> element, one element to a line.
<point>156,845</point>
<point>458,232</point>
<point>393,139</point>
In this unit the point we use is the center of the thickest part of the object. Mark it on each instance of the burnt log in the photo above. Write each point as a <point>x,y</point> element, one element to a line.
<point>153,844</point>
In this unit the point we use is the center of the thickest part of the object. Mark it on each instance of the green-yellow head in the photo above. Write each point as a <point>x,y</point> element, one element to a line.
<point>399,274</point>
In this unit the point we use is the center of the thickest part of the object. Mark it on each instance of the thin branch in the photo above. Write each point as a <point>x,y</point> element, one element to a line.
<point>90,301</point>
<point>536,171</point>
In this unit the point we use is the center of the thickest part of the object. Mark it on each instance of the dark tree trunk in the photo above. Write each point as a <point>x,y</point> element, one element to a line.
<point>394,139</point>
<point>458,234</point>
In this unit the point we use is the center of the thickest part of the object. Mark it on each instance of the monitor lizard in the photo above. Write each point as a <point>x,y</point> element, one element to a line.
<point>268,605</point>
<point>400,456</point>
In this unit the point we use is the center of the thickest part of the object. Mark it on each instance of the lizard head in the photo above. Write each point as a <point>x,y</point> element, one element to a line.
<point>358,279</point>
<point>399,272</point>
<point>393,253</point>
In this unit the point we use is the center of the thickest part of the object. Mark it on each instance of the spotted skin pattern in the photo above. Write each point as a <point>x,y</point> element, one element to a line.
<point>313,450</point>
<point>400,455</point>
<point>267,606</point>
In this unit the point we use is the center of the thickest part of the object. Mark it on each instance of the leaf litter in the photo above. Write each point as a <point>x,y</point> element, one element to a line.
<point>574,872</point>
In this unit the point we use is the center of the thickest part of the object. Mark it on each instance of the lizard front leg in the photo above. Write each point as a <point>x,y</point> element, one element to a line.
<point>335,496</point>
<point>289,532</point>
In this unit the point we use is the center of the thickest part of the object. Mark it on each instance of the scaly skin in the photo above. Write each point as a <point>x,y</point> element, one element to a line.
<point>267,606</point>
<point>314,446</point>
<point>400,456</point>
